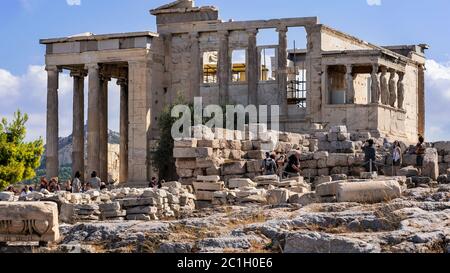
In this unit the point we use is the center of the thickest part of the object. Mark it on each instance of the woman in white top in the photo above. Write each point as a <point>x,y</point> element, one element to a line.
<point>397,157</point>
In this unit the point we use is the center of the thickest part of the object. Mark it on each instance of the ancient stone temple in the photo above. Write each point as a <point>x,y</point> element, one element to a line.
<point>336,80</point>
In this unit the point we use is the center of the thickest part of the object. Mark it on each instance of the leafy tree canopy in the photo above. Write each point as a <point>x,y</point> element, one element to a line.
<point>18,159</point>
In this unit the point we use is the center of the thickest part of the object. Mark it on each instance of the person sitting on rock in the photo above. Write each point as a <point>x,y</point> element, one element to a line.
<point>43,184</point>
<point>54,185</point>
<point>293,167</point>
<point>420,152</point>
<point>154,183</point>
<point>95,182</point>
<point>24,192</point>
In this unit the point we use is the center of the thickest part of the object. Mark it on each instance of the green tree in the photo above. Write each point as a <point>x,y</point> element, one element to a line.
<point>18,159</point>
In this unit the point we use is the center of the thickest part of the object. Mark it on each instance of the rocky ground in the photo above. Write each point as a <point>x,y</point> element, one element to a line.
<point>419,222</point>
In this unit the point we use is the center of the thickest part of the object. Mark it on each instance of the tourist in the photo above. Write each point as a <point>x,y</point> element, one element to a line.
<point>94,182</point>
<point>420,152</point>
<point>397,157</point>
<point>68,186</point>
<point>76,183</point>
<point>103,186</point>
<point>293,166</point>
<point>370,156</point>
<point>24,192</point>
<point>11,189</point>
<point>54,185</point>
<point>153,183</point>
<point>269,167</point>
<point>43,184</point>
<point>281,161</point>
<point>31,189</point>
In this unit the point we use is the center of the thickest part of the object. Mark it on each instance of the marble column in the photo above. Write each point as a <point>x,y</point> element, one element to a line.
<point>78,123</point>
<point>93,144</point>
<point>195,66</point>
<point>252,69</point>
<point>282,72</point>
<point>350,95</point>
<point>103,126</point>
<point>400,90</point>
<point>384,86</point>
<point>224,67</point>
<point>52,163</point>
<point>376,92</point>
<point>392,88</point>
<point>124,122</point>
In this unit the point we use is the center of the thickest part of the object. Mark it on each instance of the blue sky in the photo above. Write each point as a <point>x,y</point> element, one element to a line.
<point>383,22</point>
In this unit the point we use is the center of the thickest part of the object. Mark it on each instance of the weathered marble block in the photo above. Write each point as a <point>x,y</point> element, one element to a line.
<point>29,222</point>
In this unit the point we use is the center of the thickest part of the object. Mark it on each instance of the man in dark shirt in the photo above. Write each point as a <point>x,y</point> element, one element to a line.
<point>420,152</point>
<point>370,156</point>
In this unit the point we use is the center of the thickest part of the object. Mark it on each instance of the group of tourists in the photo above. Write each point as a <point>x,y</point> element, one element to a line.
<point>287,167</point>
<point>397,156</point>
<point>283,166</point>
<point>75,185</point>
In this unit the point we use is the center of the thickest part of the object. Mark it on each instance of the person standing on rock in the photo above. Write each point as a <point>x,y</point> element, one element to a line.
<point>76,183</point>
<point>396,157</point>
<point>293,166</point>
<point>94,182</point>
<point>370,156</point>
<point>269,167</point>
<point>420,152</point>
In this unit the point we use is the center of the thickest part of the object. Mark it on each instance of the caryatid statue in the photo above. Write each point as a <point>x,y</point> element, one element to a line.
<point>376,92</point>
<point>392,88</point>
<point>401,89</point>
<point>384,84</point>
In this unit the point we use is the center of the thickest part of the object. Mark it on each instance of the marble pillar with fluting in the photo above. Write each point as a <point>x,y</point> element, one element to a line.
<point>195,65</point>
<point>401,90</point>
<point>282,71</point>
<point>392,88</point>
<point>375,87</point>
<point>93,137</point>
<point>252,67</point>
<point>224,67</point>
<point>78,123</point>
<point>52,163</point>
<point>103,127</point>
<point>384,86</point>
<point>124,121</point>
<point>349,78</point>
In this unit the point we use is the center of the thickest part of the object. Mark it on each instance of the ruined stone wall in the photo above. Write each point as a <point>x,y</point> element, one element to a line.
<point>332,40</point>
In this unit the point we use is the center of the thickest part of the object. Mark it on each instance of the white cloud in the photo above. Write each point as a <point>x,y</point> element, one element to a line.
<point>437,100</point>
<point>73,2</point>
<point>374,2</point>
<point>9,84</point>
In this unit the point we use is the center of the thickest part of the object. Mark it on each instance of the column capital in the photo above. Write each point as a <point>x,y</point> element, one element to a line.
<point>194,35</point>
<point>349,68</point>
<point>52,68</point>
<point>122,81</point>
<point>94,66</point>
<point>252,32</point>
<point>401,74</point>
<point>78,73</point>
<point>223,33</point>
<point>282,29</point>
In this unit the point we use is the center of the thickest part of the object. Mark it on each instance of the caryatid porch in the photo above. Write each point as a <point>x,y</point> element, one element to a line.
<point>102,58</point>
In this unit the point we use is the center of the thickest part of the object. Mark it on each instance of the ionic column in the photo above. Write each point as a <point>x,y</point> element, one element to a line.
<point>282,70</point>
<point>224,67</point>
<point>401,89</point>
<point>392,88</point>
<point>350,96</point>
<point>376,91</point>
<point>93,144</point>
<point>52,163</point>
<point>78,123</point>
<point>195,65</point>
<point>124,121</point>
<point>103,124</point>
